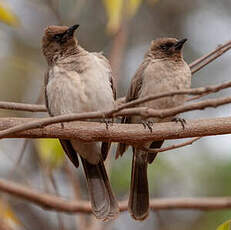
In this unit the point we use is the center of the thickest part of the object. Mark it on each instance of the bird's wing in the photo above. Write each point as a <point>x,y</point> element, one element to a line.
<point>71,153</point>
<point>105,147</point>
<point>107,65</point>
<point>133,94</point>
<point>46,78</point>
<point>66,144</point>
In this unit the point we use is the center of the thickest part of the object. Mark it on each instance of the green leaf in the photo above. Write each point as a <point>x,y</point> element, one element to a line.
<point>225,226</point>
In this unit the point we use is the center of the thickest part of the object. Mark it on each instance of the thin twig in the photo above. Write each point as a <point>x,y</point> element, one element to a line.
<point>22,107</point>
<point>147,112</point>
<point>210,59</point>
<point>196,91</point>
<point>158,150</point>
<point>218,50</point>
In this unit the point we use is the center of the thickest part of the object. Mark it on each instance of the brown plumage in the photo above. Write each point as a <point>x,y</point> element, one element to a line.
<point>79,81</point>
<point>162,70</point>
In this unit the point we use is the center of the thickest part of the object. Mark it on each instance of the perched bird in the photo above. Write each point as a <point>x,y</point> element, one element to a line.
<point>162,70</point>
<point>80,81</point>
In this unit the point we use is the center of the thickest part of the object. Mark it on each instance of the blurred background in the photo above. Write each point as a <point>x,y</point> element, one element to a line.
<point>123,30</point>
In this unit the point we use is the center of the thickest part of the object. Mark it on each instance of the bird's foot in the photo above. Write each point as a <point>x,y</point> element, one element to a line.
<point>181,120</point>
<point>62,125</point>
<point>108,122</point>
<point>147,124</point>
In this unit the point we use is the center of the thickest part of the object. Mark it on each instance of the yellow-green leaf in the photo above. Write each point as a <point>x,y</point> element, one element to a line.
<point>133,6</point>
<point>225,226</point>
<point>7,16</point>
<point>114,13</point>
<point>50,152</point>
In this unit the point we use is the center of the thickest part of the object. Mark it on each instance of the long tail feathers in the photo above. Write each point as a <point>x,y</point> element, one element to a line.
<point>139,195</point>
<point>103,202</point>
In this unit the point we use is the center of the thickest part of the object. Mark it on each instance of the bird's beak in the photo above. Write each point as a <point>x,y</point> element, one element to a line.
<point>70,31</point>
<point>180,44</point>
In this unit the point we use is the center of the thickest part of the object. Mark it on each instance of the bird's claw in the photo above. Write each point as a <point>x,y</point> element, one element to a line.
<point>147,124</point>
<point>181,120</point>
<point>108,122</point>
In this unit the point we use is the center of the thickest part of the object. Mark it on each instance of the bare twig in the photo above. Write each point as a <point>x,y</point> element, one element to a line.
<point>219,50</point>
<point>203,58</point>
<point>171,146</point>
<point>196,91</point>
<point>22,107</point>
<point>147,112</point>
<point>52,202</point>
<point>208,60</point>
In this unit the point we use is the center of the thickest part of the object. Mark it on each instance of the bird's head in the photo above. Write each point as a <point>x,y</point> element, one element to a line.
<point>58,41</point>
<point>167,48</point>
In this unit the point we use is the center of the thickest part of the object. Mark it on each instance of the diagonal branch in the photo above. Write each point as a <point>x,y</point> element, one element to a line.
<point>196,91</point>
<point>176,146</point>
<point>218,51</point>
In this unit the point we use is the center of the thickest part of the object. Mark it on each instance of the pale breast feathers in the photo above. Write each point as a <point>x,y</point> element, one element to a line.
<point>72,92</point>
<point>162,76</point>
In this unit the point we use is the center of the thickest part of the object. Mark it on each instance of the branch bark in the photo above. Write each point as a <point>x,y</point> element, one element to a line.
<point>141,111</point>
<point>125,133</point>
<point>22,107</point>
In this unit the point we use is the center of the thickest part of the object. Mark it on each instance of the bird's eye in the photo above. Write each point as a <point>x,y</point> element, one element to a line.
<point>57,37</point>
<point>166,46</point>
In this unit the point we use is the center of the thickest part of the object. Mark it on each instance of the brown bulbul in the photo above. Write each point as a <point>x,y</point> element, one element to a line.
<point>162,70</point>
<point>80,81</point>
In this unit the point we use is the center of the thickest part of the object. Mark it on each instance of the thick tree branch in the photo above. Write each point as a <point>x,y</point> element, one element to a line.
<point>126,133</point>
<point>141,111</point>
<point>52,202</point>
